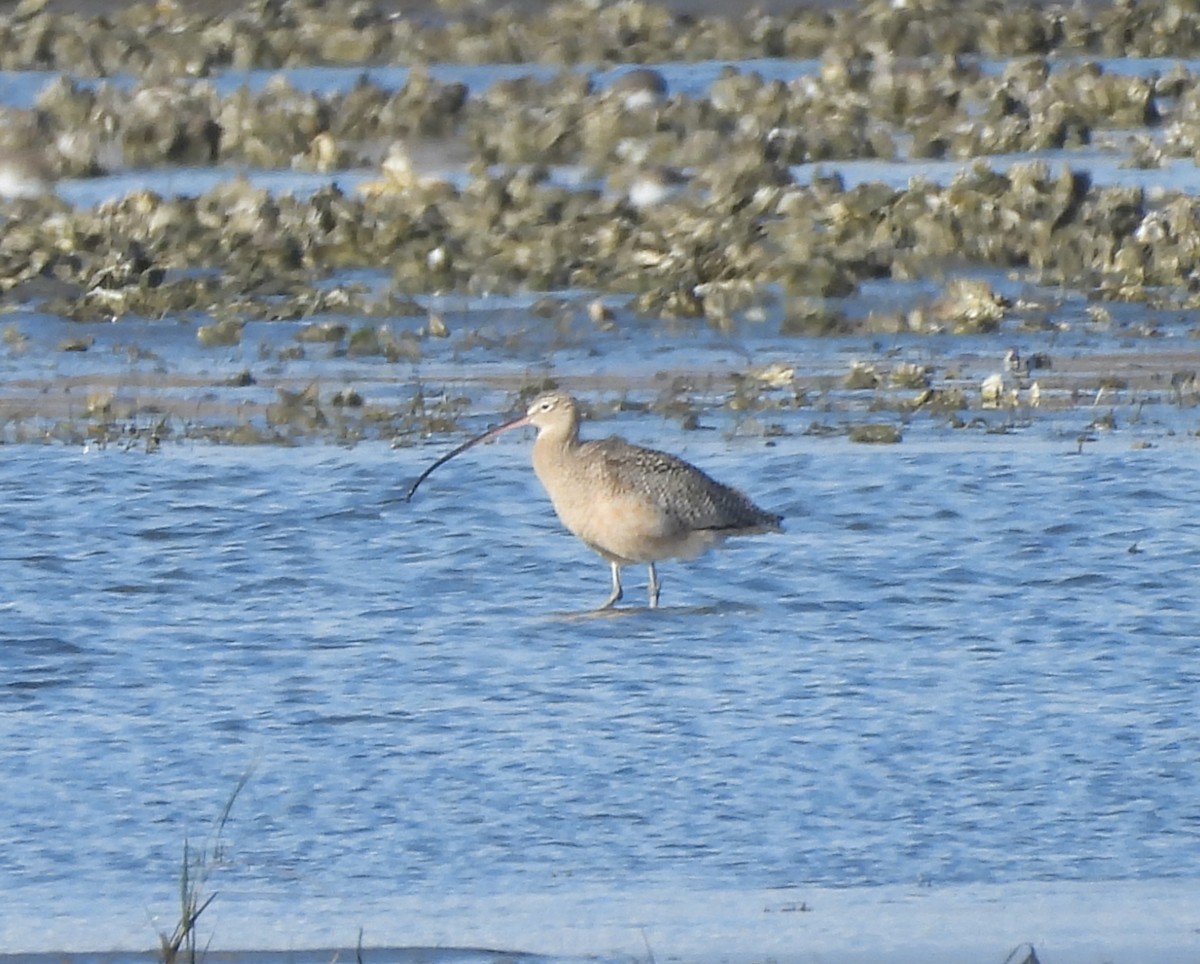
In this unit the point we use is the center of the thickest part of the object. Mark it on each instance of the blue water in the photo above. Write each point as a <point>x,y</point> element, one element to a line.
<point>971,659</point>
<point>967,662</point>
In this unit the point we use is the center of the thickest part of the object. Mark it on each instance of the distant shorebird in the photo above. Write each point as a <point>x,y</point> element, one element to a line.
<point>627,503</point>
<point>640,88</point>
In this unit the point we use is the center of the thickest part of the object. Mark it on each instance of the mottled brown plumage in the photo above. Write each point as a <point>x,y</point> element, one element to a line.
<point>627,503</point>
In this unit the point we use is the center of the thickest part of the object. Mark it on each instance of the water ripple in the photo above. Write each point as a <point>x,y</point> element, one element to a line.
<point>927,678</point>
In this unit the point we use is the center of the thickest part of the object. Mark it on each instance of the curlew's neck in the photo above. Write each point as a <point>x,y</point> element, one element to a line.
<point>554,452</point>
<point>563,435</point>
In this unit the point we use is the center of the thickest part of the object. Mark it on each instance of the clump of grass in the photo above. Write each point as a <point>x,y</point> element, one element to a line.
<point>181,946</point>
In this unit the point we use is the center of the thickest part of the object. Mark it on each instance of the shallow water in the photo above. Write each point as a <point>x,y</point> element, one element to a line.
<point>963,663</point>
<point>970,662</point>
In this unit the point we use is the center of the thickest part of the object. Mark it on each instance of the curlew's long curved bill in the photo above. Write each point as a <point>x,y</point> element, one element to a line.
<point>489,434</point>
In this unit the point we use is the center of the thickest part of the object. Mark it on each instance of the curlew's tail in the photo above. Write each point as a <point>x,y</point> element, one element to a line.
<point>763,523</point>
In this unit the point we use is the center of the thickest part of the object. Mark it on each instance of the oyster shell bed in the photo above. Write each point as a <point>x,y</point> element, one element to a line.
<point>733,243</point>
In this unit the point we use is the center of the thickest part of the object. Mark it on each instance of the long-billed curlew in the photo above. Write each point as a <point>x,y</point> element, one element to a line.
<point>627,503</point>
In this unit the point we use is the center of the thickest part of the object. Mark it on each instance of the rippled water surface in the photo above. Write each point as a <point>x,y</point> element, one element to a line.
<point>964,662</point>
<point>971,660</point>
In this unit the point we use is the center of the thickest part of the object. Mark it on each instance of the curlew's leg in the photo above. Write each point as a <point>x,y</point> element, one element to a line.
<point>654,587</point>
<point>616,590</point>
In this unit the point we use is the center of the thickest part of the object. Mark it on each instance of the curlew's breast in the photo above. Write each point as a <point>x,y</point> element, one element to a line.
<point>617,507</point>
<point>629,528</point>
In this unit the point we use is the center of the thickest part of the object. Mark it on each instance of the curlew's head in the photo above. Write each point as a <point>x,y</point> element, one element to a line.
<point>554,414</point>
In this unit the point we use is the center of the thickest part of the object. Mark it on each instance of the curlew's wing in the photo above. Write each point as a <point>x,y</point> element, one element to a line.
<point>694,499</point>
